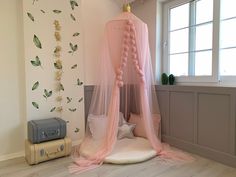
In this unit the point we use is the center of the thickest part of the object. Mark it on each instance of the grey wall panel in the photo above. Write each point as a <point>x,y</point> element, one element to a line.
<point>214,121</point>
<point>163,97</point>
<point>181,115</point>
<point>88,92</point>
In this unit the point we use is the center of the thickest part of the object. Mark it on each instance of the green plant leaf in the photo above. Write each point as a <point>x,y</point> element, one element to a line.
<point>35,86</point>
<point>68,99</point>
<point>73,3</point>
<point>47,93</point>
<point>72,110</point>
<point>35,105</point>
<point>75,48</point>
<point>72,17</point>
<point>79,82</point>
<point>71,46</point>
<point>36,62</point>
<point>30,16</point>
<point>57,66</point>
<point>42,11</point>
<point>53,109</point>
<point>37,42</point>
<point>77,130</point>
<point>61,87</point>
<point>76,34</point>
<point>81,99</point>
<point>57,11</point>
<point>74,66</point>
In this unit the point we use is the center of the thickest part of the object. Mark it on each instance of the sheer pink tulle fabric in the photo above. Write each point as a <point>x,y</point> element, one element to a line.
<point>125,85</point>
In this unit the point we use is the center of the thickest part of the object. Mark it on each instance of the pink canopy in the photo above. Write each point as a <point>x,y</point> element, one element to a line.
<point>126,85</point>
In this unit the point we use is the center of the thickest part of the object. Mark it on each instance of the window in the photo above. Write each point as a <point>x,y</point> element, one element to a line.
<point>199,39</point>
<point>228,38</point>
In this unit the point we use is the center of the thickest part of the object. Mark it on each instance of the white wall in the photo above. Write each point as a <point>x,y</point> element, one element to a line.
<point>150,11</point>
<point>12,96</point>
<point>95,15</point>
<point>43,27</point>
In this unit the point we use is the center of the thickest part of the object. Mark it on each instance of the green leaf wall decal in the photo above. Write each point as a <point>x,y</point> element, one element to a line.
<point>30,16</point>
<point>73,47</point>
<point>79,83</point>
<point>81,99</point>
<point>35,105</point>
<point>68,99</point>
<point>37,42</point>
<point>72,110</point>
<point>77,130</point>
<point>61,87</point>
<point>47,93</point>
<point>57,11</point>
<point>73,4</point>
<point>76,34</point>
<point>72,17</point>
<point>35,86</point>
<point>53,109</point>
<point>36,62</point>
<point>74,66</point>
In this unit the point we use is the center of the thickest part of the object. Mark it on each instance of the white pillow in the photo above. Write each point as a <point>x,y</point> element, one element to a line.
<point>97,125</point>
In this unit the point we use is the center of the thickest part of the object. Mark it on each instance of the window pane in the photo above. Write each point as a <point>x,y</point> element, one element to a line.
<point>228,8</point>
<point>204,37</point>
<point>203,63</point>
<point>227,33</point>
<point>228,62</point>
<point>204,11</point>
<point>179,17</point>
<point>179,64</point>
<point>179,41</point>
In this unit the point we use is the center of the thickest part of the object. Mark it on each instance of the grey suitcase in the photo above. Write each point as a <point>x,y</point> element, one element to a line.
<point>46,129</point>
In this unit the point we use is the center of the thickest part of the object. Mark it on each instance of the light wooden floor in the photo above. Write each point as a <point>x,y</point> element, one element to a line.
<point>153,168</point>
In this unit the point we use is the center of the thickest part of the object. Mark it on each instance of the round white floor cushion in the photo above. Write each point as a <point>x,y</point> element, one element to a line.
<point>126,151</point>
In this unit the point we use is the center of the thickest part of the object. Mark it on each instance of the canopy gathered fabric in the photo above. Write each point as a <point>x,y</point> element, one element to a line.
<point>126,85</point>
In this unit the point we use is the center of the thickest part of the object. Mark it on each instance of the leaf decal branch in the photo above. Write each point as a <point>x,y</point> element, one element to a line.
<point>73,48</point>
<point>73,4</point>
<point>47,93</point>
<point>36,62</point>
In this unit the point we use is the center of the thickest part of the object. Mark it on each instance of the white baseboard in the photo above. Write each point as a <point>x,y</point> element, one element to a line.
<point>12,156</point>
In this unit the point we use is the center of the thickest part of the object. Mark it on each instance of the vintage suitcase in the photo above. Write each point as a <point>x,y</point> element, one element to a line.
<point>36,153</point>
<point>46,130</point>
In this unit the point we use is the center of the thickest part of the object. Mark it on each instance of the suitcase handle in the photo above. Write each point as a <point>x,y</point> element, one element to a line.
<point>51,133</point>
<point>50,154</point>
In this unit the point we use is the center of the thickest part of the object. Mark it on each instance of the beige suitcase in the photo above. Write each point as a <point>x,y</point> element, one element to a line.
<point>36,153</point>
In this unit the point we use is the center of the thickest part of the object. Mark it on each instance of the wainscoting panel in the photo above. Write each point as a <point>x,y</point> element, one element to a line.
<point>181,115</point>
<point>214,121</point>
<point>163,97</point>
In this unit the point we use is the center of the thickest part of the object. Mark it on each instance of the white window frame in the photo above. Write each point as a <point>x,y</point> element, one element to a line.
<point>214,78</point>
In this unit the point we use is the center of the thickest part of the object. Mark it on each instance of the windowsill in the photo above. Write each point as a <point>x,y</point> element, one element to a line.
<point>201,84</point>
